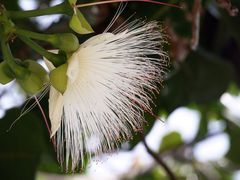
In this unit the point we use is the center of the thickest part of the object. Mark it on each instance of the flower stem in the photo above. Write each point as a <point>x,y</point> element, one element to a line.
<point>56,59</point>
<point>8,57</point>
<point>34,35</point>
<point>63,8</point>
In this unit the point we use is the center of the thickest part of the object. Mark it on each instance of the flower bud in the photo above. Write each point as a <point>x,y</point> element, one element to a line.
<point>36,69</point>
<point>58,78</point>
<point>35,77</point>
<point>66,42</point>
<point>31,83</point>
<point>79,24</point>
<point>6,74</point>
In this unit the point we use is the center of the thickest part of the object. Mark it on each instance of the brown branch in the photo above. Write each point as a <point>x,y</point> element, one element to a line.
<point>196,12</point>
<point>158,159</point>
<point>179,45</point>
<point>226,4</point>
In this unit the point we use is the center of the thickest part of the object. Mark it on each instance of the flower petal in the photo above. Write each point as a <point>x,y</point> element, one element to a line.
<point>55,109</point>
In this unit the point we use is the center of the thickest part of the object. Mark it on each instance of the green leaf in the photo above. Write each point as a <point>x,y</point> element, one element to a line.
<point>79,24</point>
<point>153,174</point>
<point>234,89</point>
<point>21,146</point>
<point>201,79</point>
<point>171,141</point>
<point>234,132</point>
<point>203,126</point>
<point>72,2</point>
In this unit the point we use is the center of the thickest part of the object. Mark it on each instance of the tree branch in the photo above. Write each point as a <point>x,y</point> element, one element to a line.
<point>196,12</point>
<point>158,159</point>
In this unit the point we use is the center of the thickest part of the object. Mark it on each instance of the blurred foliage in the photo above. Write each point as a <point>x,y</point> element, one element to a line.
<point>21,146</point>
<point>198,80</point>
<point>171,141</point>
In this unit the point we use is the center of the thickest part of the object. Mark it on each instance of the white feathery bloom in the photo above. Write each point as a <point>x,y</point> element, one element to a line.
<point>111,80</point>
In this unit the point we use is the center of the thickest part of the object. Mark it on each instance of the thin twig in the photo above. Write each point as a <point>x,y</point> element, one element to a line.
<point>196,12</point>
<point>115,1</point>
<point>158,159</point>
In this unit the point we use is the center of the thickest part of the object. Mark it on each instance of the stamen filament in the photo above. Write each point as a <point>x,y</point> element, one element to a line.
<point>45,120</point>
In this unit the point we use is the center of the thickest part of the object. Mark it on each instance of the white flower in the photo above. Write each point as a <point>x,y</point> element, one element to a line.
<point>111,80</point>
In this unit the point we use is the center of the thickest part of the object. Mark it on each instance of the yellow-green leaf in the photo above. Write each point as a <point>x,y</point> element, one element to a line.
<point>171,141</point>
<point>79,24</point>
<point>72,2</point>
